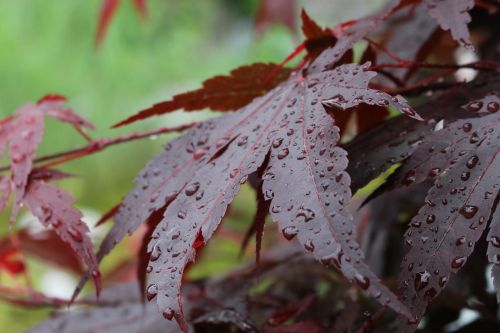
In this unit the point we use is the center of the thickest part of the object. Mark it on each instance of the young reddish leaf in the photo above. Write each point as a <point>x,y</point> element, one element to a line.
<point>49,247</point>
<point>108,9</point>
<point>8,263</point>
<point>203,171</point>
<point>276,11</point>
<point>221,93</point>
<point>25,134</point>
<point>53,207</point>
<point>443,233</point>
<point>140,7</point>
<point>352,32</point>
<point>452,15</point>
<point>108,215</point>
<point>319,39</point>
<point>5,188</point>
<point>55,108</point>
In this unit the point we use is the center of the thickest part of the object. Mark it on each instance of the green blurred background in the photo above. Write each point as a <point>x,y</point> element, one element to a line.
<point>47,46</point>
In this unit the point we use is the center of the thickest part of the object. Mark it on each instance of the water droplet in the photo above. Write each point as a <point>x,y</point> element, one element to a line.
<point>277,142</point>
<point>434,172</point>
<point>199,153</point>
<point>422,280</point>
<point>460,241</point>
<point>409,178</point>
<point>474,106</point>
<point>276,209</point>
<point>465,175</point>
<point>468,211</point>
<point>268,195</point>
<point>168,314</point>
<point>155,253</point>
<point>467,127</point>
<point>309,245</point>
<point>471,162</point>
<point>283,153</point>
<point>495,241</point>
<point>234,173</point>
<point>75,234</point>
<point>458,262</point>
<point>430,218</point>
<point>290,232</point>
<point>151,291</point>
<point>192,188</point>
<point>362,281</point>
<point>492,107</point>
<point>181,214</point>
<point>306,213</point>
<point>442,281</point>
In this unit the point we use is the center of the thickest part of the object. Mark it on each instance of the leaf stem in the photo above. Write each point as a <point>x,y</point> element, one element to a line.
<point>98,145</point>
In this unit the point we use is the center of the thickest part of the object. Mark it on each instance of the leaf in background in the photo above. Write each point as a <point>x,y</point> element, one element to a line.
<point>22,133</point>
<point>54,207</point>
<point>49,247</point>
<point>9,263</point>
<point>276,11</point>
<point>464,158</point>
<point>108,11</point>
<point>25,134</point>
<point>452,15</point>
<point>376,150</point>
<point>53,106</point>
<point>221,93</point>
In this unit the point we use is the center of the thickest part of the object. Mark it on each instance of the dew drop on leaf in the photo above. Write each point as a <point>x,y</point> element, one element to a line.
<point>421,280</point>
<point>168,314</point>
<point>492,107</point>
<point>290,232</point>
<point>458,262</point>
<point>362,281</point>
<point>468,211</point>
<point>75,234</point>
<point>192,188</point>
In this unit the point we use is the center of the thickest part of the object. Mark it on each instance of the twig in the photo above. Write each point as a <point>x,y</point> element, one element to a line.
<point>479,65</point>
<point>100,144</point>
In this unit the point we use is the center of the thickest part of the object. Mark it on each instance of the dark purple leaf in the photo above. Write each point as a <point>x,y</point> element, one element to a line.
<point>452,15</point>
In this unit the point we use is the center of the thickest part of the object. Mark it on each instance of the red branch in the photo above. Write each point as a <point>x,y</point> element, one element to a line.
<point>95,146</point>
<point>479,65</point>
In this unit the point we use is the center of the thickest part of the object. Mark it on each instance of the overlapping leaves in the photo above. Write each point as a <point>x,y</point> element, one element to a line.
<point>22,134</point>
<point>201,172</point>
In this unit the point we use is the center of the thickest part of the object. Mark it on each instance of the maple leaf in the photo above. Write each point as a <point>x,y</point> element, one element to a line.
<point>222,92</point>
<point>452,15</point>
<point>23,133</point>
<point>107,12</point>
<point>395,139</point>
<point>276,11</point>
<point>201,172</point>
<point>463,157</point>
<point>53,207</point>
